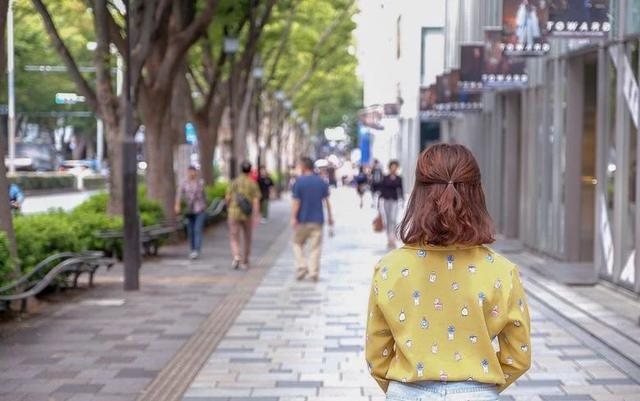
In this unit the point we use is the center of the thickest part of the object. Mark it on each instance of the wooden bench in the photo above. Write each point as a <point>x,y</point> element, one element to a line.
<point>57,270</point>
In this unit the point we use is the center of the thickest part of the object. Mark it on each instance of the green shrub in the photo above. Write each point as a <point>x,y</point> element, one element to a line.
<point>88,223</point>
<point>276,178</point>
<point>41,235</point>
<point>150,210</point>
<point>93,182</point>
<point>96,204</point>
<point>35,181</point>
<point>5,260</point>
<point>216,191</point>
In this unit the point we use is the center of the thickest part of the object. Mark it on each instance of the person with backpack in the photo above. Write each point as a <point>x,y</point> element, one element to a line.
<point>243,200</point>
<point>191,196</point>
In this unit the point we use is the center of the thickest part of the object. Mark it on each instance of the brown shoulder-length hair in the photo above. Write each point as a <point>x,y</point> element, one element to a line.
<point>447,205</point>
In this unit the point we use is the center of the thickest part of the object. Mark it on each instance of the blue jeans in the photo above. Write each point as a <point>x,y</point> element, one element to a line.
<point>442,391</point>
<point>195,223</point>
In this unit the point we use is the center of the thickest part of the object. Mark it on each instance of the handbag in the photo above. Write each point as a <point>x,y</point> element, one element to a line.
<point>378,224</point>
<point>244,204</point>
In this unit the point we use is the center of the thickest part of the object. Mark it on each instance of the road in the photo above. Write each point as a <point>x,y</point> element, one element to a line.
<point>65,201</point>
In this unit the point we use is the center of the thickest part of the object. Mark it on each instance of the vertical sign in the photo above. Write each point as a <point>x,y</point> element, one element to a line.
<point>578,18</point>
<point>500,70</point>
<point>471,64</point>
<point>524,27</point>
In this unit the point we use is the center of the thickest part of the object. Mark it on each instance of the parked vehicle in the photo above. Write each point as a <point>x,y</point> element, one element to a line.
<point>35,157</point>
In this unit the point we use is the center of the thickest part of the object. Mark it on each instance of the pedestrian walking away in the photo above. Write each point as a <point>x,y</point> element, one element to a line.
<point>448,318</point>
<point>192,202</point>
<point>310,192</point>
<point>265,183</point>
<point>361,184</point>
<point>376,180</point>
<point>391,194</point>
<point>243,198</point>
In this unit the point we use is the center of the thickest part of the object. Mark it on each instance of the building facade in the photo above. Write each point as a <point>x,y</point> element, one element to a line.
<point>559,155</point>
<point>400,48</point>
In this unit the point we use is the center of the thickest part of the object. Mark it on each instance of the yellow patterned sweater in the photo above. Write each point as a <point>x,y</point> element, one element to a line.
<point>447,314</point>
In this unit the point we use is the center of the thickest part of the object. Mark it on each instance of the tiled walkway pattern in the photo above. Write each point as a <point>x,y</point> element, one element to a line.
<point>298,341</point>
<point>86,349</point>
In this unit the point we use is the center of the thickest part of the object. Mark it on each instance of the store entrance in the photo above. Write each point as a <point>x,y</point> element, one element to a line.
<point>581,181</point>
<point>512,124</point>
<point>587,227</point>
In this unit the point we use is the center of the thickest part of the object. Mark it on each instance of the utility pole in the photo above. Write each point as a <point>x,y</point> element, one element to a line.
<point>131,246</point>
<point>12,90</point>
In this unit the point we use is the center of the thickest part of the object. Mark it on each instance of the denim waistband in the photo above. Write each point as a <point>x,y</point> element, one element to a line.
<point>452,387</point>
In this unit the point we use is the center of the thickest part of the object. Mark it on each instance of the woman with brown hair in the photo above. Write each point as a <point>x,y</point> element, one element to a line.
<point>447,315</point>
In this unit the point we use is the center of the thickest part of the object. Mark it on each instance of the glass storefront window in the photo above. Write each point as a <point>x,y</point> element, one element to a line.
<point>611,145</point>
<point>633,16</point>
<point>631,133</point>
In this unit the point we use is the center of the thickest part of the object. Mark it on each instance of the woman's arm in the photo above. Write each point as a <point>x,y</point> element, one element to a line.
<point>379,349</point>
<point>515,337</point>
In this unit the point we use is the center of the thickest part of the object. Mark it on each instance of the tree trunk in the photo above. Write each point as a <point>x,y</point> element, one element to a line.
<point>243,125</point>
<point>158,146</point>
<point>207,128</point>
<point>6,222</point>
<point>206,149</point>
<point>115,160</point>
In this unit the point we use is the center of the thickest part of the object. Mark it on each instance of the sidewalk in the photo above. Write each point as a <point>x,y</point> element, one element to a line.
<point>296,341</point>
<point>191,335</point>
<point>105,344</point>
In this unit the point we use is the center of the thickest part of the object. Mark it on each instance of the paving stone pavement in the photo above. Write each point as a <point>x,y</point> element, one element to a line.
<point>104,344</point>
<point>299,341</point>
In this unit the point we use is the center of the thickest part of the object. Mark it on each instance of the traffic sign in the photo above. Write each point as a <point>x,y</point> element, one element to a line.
<point>68,98</point>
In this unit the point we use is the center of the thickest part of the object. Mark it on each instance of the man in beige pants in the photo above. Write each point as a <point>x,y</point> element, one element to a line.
<point>310,192</point>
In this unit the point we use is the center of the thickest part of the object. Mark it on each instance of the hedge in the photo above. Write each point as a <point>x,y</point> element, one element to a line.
<point>5,265</point>
<point>36,181</point>
<point>43,234</point>
<point>93,182</point>
<point>216,191</point>
<point>150,211</point>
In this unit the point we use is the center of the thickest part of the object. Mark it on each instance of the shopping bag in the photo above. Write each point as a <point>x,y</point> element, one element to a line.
<point>378,224</point>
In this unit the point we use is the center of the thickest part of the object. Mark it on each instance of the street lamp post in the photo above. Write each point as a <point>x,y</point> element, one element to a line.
<point>11,123</point>
<point>131,246</point>
<point>279,117</point>
<point>258,73</point>
<point>231,46</point>
<point>287,104</point>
